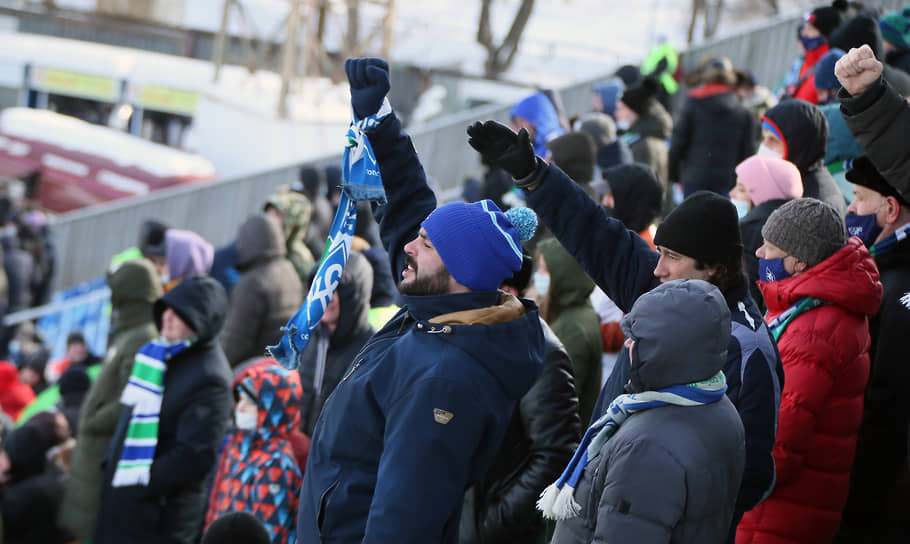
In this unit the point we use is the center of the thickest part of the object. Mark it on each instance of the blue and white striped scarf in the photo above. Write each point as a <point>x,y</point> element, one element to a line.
<point>143,392</point>
<point>362,181</point>
<point>557,501</point>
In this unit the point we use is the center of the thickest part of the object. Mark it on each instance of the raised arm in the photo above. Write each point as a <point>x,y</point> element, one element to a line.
<point>617,259</point>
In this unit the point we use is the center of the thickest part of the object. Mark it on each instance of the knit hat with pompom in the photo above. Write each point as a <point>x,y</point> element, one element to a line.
<point>479,245</point>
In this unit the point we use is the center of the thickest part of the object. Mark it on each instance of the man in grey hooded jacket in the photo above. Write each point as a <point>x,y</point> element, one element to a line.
<point>669,473</point>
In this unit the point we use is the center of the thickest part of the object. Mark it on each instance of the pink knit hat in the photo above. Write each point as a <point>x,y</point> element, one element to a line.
<point>768,178</point>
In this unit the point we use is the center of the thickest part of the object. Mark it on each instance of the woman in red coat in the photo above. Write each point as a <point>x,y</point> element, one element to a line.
<point>820,292</point>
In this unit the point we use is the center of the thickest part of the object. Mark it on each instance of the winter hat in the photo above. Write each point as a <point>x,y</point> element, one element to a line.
<point>856,32</point>
<point>808,229</point>
<point>719,70</point>
<point>827,18</point>
<point>863,172</point>
<point>609,92</point>
<point>188,254</point>
<point>75,337</point>
<point>599,126</point>
<point>479,245</point>
<point>769,178</point>
<point>236,528</point>
<point>637,194</point>
<point>74,384</point>
<point>824,70</point>
<point>895,28</point>
<point>152,238</point>
<point>574,154</point>
<point>629,74</point>
<point>37,361</point>
<point>704,226</point>
<point>640,97</point>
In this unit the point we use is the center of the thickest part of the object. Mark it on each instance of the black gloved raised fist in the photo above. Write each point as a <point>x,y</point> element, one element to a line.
<point>501,147</point>
<point>369,79</point>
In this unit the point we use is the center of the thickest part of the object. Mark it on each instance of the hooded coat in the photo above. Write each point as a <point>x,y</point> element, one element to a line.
<point>327,356</point>
<point>257,472</point>
<point>880,120</point>
<point>573,319</point>
<point>671,473</point>
<point>825,352</point>
<point>134,289</point>
<point>543,433</point>
<point>195,412</point>
<point>434,388</point>
<point>14,395</point>
<point>187,254</point>
<point>268,294</point>
<point>804,132</point>
<point>861,30</point>
<point>296,210</point>
<point>540,112</point>
<point>711,135</point>
<point>622,264</point>
<point>647,139</point>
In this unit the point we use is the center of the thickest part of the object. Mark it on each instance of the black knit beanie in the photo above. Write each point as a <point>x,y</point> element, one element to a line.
<point>827,18</point>
<point>638,98</point>
<point>704,226</point>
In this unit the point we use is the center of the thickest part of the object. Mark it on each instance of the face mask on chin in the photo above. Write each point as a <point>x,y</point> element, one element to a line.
<point>245,421</point>
<point>742,206</point>
<point>765,151</point>
<point>542,283</point>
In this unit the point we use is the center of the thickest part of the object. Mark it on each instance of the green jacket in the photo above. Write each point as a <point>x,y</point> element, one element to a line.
<point>134,288</point>
<point>573,319</point>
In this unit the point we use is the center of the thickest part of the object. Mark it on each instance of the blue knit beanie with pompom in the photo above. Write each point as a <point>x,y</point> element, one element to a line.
<point>479,245</point>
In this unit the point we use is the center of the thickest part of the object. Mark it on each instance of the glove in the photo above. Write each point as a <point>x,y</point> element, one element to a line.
<point>369,78</point>
<point>501,147</point>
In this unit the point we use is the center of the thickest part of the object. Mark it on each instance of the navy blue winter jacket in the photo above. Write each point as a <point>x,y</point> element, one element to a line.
<point>420,413</point>
<point>622,264</point>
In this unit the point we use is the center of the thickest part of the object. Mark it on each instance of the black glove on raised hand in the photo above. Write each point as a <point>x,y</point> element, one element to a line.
<point>501,147</point>
<point>369,79</point>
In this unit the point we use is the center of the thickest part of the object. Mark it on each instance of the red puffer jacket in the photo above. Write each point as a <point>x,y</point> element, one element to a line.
<point>826,363</point>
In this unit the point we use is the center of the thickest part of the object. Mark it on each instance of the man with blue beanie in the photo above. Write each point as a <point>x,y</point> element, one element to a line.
<point>422,410</point>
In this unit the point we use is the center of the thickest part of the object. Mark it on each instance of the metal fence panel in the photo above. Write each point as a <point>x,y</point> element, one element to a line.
<point>86,239</point>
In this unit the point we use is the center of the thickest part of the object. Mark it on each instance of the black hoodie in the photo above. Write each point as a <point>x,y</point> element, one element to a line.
<point>804,129</point>
<point>195,413</point>
<point>865,30</point>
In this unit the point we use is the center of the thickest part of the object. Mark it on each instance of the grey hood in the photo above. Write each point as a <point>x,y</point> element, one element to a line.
<point>681,331</point>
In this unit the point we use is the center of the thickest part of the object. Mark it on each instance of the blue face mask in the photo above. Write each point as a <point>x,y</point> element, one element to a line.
<point>742,206</point>
<point>810,44</point>
<point>772,269</point>
<point>864,227</point>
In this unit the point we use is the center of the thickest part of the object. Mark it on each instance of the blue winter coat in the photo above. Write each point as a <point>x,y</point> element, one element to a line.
<point>622,264</point>
<point>420,413</point>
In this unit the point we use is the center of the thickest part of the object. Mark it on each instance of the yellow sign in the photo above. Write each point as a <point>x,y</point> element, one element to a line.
<point>156,97</point>
<point>66,82</point>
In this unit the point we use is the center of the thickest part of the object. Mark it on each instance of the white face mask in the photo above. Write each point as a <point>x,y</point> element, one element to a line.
<point>765,151</point>
<point>541,283</point>
<point>245,421</point>
<point>623,124</point>
<point>742,206</point>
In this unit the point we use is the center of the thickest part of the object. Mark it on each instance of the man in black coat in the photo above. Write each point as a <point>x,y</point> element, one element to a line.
<point>343,330</point>
<point>712,133</point>
<point>195,412</point>
<point>881,217</point>
<point>540,440</point>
